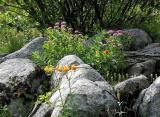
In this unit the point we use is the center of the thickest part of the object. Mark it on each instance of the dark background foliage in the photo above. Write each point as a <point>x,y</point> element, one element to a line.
<point>85,14</point>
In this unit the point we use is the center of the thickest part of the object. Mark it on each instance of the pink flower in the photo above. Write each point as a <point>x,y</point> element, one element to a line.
<point>111,32</point>
<point>63,23</point>
<point>118,34</point>
<point>56,27</point>
<point>120,31</point>
<point>63,26</point>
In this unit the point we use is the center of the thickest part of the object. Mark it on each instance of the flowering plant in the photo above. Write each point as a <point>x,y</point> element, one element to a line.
<point>62,41</point>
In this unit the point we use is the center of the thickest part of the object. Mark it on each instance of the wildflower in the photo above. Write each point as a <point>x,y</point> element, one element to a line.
<point>59,69</point>
<point>111,32</point>
<point>63,26</point>
<point>48,70</point>
<point>76,32</point>
<point>118,34</point>
<point>56,27</point>
<point>66,69</point>
<point>70,29</point>
<point>119,31</point>
<point>74,67</point>
<point>63,23</point>
<point>57,24</point>
<point>106,51</point>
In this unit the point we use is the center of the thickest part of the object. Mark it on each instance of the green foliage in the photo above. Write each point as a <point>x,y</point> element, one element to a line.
<point>45,97</point>
<point>108,52</point>
<point>84,14</point>
<point>4,112</point>
<point>60,44</point>
<point>16,29</point>
<point>12,40</point>
<point>103,57</point>
<point>152,26</point>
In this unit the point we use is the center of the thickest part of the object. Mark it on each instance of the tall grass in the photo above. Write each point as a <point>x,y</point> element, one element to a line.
<point>12,40</point>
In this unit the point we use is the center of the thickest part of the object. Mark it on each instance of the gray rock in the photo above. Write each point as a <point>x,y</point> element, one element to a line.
<point>150,52</point>
<point>145,68</point>
<point>27,50</point>
<point>148,103</point>
<point>141,38</point>
<point>18,77</point>
<point>68,60</point>
<point>85,94</point>
<point>131,88</point>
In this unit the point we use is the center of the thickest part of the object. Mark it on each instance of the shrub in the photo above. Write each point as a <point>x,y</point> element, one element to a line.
<point>107,51</point>
<point>60,44</point>
<point>12,40</point>
<point>16,30</point>
<point>105,54</point>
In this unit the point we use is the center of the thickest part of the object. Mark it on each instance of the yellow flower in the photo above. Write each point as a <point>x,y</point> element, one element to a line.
<point>74,67</point>
<point>106,52</point>
<point>66,69</point>
<point>59,69</point>
<point>48,69</point>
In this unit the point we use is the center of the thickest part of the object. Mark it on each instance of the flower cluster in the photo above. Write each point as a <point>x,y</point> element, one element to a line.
<point>105,52</point>
<point>63,26</point>
<point>61,69</point>
<point>116,32</point>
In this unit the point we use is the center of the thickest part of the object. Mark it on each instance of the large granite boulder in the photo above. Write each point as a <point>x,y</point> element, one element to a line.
<point>82,93</point>
<point>141,38</point>
<point>68,60</point>
<point>146,68</point>
<point>131,88</point>
<point>148,103</point>
<point>18,79</point>
<point>27,50</point>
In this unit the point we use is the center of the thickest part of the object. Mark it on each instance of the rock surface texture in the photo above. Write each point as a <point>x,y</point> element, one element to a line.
<point>84,92</point>
<point>27,50</point>
<point>18,77</point>
<point>131,88</point>
<point>148,103</point>
<point>141,38</point>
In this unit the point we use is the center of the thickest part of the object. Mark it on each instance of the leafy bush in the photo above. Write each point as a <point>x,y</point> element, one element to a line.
<point>60,44</point>
<point>16,29</point>
<point>4,112</point>
<point>12,40</point>
<point>105,54</point>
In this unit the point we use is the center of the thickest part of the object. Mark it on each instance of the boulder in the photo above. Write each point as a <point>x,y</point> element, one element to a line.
<point>129,89</point>
<point>148,103</point>
<point>68,60</point>
<point>141,38</point>
<point>19,78</point>
<point>27,50</point>
<point>150,52</point>
<point>146,68</point>
<point>82,93</point>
